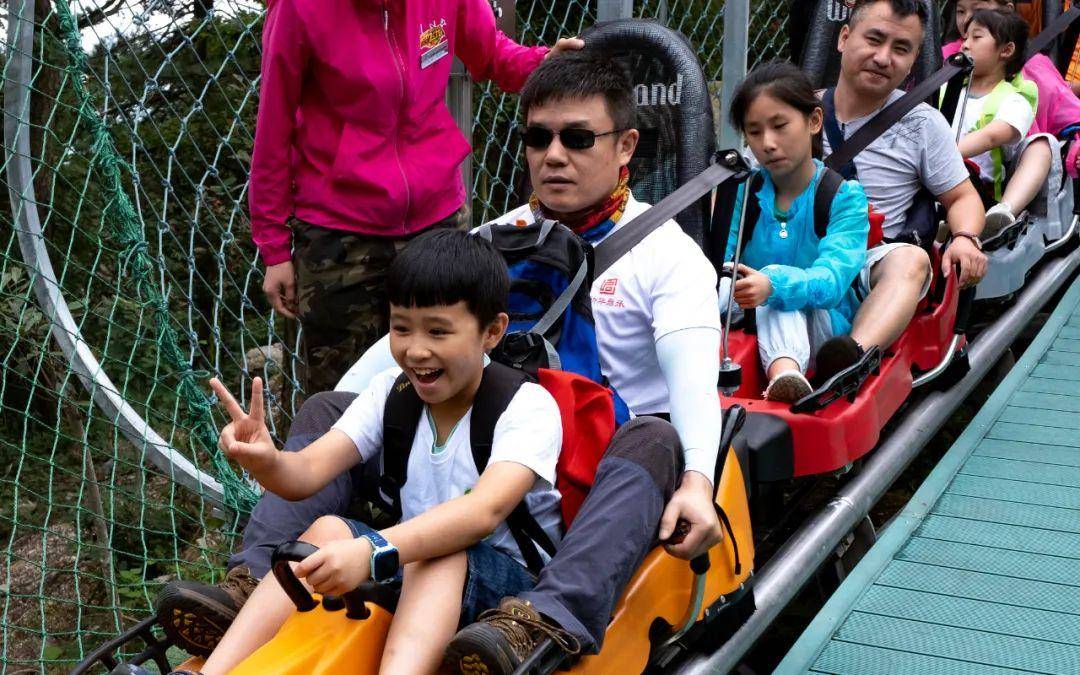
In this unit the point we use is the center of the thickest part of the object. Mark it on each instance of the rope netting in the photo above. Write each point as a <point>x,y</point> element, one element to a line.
<point>128,278</point>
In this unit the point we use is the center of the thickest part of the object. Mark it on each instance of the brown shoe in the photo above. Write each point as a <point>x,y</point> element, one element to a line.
<point>195,615</point>
<point>501,639</point>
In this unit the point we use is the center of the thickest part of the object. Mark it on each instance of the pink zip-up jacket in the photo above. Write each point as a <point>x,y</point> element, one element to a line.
<point>353,130</point>
<point>1058,106</point>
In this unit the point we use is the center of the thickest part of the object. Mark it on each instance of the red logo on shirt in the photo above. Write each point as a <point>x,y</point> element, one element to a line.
<point>608,286</point>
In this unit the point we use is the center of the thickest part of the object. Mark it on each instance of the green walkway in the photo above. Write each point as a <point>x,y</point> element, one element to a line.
<point>980,573</point>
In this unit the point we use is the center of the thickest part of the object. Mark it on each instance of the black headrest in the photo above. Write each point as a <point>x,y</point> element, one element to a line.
<point>674,110</point>
<point>821,61</point>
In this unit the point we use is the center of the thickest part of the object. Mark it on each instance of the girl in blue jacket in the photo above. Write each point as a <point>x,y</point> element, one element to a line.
<point>800,284</point>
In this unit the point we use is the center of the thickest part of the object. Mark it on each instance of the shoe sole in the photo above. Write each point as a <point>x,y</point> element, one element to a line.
<point>193,622</point>
<point>465,655</point>
<point>788,389</point>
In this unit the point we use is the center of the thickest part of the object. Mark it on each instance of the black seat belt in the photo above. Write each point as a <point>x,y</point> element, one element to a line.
<point>895,111</point>
<point>619,242</point>
<point>1051,32</point>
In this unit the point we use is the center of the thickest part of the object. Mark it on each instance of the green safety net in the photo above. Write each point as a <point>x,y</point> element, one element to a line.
<point>140,119</point>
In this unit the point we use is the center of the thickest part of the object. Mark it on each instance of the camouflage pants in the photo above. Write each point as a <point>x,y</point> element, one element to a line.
<point>341,291</point>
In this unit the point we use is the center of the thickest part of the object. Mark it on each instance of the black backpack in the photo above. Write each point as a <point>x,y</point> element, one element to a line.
<point>824,195</point>
<point>401,417</point>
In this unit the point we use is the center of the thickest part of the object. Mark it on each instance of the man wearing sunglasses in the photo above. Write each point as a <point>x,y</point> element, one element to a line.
<point>658,333</point>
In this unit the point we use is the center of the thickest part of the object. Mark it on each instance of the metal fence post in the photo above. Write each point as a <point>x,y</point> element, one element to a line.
<point>736,32</point>
<point>607,10</point>
<point>459,101</point>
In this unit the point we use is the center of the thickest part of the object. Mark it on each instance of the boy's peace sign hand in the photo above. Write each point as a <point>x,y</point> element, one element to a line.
<point>246,438</point>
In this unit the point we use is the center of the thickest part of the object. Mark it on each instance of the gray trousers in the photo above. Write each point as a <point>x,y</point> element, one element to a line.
<point>616,526</point>
<point>614,530</point>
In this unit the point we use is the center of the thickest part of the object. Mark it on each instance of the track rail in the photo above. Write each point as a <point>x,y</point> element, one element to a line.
<point>27,223</point>
<point>777,584</point>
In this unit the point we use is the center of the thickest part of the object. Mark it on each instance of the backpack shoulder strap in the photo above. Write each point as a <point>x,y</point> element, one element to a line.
<point>498,387</point>
<point>832,131</point>
<point>827,187</point>
<point>401,415</point>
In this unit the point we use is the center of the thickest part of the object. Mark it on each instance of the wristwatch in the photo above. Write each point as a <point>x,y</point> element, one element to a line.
<point>384,558</point>
<point>967,235</point>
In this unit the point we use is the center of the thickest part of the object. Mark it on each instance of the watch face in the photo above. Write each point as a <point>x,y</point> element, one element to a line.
<point>384,565</point>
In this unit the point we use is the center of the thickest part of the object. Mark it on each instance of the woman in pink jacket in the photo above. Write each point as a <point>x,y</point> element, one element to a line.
<point>356,151</point>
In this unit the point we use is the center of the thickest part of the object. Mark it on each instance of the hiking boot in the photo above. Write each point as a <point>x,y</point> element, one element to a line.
<point>501,639</point>
<point>835,354</point>
<point>788,387</point>
<point>195,615</point>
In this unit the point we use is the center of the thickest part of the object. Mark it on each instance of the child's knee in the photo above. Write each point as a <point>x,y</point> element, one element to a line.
<point>1036,159</point>
<point>325,529</point>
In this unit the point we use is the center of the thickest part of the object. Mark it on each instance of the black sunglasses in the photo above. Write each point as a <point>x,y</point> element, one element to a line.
<point>571,139</point>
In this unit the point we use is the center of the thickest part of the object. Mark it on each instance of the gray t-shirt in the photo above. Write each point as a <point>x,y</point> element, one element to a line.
<point>918,150</point>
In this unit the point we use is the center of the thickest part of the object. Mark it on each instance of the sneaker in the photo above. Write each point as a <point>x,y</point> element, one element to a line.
<point>501,639</point>
<point>836,354</point>
<point>998,218</point>
<point>195,615</point>
<point>788,387</point>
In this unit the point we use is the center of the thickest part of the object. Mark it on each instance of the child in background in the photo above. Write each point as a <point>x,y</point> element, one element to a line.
<point>1000,107</point>
<point>1058,108</point>
<point>801,285</point>
<point>448,295</point>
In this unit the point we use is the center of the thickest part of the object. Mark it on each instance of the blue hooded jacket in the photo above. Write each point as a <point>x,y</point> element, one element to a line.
<point>807,272</point>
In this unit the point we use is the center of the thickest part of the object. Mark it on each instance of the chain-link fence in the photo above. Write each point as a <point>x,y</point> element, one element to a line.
<point>128,277</point>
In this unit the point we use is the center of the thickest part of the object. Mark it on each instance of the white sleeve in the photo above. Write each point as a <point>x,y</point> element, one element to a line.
<point>362,421</point>
<point>374,361</point>
<point>529,432</point>
<point>683,286</point>
<point>1017,113</point>
<point>690,361</point>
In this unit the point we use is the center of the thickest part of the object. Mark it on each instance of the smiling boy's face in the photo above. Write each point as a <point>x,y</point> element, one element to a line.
<point>441,349</point>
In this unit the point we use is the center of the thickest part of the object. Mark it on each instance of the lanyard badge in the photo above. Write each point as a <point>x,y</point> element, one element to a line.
<point>433,43</point>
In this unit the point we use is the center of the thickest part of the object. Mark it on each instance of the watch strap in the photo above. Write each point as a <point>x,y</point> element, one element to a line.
<point>379,546</point>
<point>967,235</point>
<point>377,540</point>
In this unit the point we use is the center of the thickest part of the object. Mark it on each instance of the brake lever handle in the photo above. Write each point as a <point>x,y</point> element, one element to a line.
<point>293,551</point>
<point>727,272</point>
<point>963,306</point>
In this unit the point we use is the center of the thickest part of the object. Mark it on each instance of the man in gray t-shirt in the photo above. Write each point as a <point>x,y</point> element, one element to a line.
<point>919,150</point>
<point>878,48</point>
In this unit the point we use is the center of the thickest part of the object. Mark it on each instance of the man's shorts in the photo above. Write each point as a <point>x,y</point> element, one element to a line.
<point>491,576</point>
<point>873,257</point>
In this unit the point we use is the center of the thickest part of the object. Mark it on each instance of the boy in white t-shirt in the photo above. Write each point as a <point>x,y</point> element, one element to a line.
<point>1000,105</point>
<point>448,298</point>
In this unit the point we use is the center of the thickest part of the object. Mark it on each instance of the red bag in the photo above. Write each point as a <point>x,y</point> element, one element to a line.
<point>877,228</point>
<point>587,410</point>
